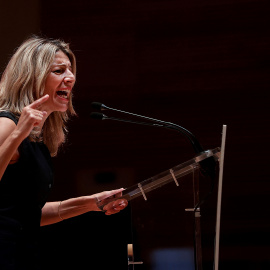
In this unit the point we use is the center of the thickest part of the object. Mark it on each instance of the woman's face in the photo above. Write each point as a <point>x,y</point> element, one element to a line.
<point>59,84</point>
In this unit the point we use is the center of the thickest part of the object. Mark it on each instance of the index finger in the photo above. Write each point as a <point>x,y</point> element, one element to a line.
<point>39,101</point>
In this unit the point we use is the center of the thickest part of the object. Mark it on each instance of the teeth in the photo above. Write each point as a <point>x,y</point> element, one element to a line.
<point>62,93</point>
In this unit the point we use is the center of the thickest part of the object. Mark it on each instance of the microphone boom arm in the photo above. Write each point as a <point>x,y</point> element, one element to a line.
<point>195,143</point>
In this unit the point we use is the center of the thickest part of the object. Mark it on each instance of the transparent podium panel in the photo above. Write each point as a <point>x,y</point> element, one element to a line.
<point>174,174</point>
<point>166,217</point>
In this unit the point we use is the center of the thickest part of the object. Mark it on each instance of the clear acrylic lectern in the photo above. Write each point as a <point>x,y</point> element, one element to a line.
<point>175,174</point>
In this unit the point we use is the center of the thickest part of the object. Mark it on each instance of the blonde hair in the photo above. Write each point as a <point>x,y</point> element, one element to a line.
<point>23,82</point>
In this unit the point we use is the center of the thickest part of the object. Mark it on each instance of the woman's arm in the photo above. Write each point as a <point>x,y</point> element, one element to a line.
<point>10,140</point>
<point>54,212</point>
<point>11,135</point>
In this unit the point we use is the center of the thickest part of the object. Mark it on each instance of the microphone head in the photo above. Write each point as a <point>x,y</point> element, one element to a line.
<point>96,115</point>
<point>98,106</point>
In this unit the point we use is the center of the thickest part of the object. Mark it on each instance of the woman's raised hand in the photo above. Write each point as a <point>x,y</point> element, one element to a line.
<point>31,117</point>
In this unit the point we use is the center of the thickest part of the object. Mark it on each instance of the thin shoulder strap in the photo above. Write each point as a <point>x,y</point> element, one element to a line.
<point>10,116</point>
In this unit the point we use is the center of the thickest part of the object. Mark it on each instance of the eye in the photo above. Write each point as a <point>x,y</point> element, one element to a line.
<point>58,71</point>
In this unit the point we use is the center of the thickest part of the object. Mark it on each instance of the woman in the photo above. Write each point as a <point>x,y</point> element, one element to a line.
<point>35,103</point>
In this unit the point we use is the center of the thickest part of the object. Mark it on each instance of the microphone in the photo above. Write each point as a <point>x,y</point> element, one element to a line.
<point>195,143</point>
<point>101,116</point>
<point>207,166</point>
<point>99,106</point>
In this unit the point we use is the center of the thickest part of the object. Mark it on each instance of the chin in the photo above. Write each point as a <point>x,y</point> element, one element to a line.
<point>61,107</point>
<point>62,110</point>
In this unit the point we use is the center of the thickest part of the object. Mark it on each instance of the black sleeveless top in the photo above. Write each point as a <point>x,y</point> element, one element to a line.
<point>24,189</point>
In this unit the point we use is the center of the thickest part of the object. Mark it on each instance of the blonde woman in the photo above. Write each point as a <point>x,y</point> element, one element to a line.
<point>35,104</point>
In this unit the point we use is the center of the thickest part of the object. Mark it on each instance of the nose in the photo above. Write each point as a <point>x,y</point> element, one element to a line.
<point>69,78</point>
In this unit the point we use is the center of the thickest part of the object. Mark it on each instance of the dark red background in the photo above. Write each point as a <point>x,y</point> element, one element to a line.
<point>200,64</point>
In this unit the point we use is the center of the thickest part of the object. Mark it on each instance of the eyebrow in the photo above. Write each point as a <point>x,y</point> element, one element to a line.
<point>63,64</point>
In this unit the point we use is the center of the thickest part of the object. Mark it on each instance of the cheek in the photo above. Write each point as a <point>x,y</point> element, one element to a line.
<point>50,85</point>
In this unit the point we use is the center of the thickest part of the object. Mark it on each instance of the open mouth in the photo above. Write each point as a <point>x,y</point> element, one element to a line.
<point>62,94</point>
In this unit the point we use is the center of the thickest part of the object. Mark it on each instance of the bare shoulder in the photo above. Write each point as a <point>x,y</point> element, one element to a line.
<point>6,127</point>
